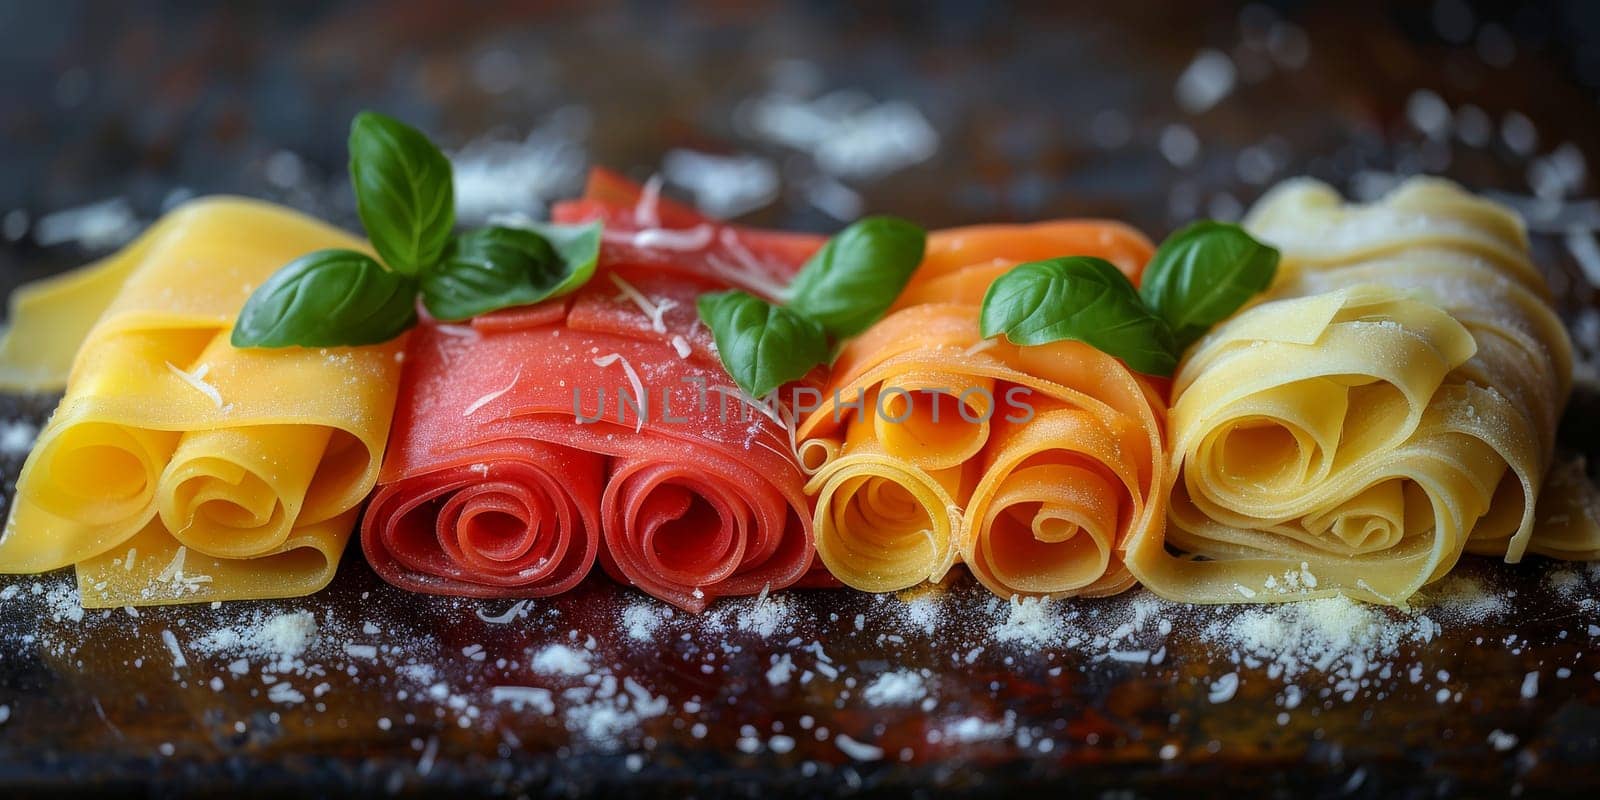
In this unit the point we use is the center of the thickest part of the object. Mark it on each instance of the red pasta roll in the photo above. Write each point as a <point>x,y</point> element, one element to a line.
<point>461,513</point>
<point>532,441</point>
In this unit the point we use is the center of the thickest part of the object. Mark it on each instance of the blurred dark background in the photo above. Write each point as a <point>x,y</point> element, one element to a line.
<point>797,114</point>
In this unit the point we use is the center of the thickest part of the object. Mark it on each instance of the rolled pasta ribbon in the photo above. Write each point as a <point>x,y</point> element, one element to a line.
<point>533,442</point>
<point>169,440</point>
<point>1031,465</point>
<point>523,452</point>
<point>462,513</point>
<point>883,522</point>
<point>1056,500</point>
<point>1391,404</point>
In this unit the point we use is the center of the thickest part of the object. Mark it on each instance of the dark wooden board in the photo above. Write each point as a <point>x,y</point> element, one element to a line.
<point>138,100</point>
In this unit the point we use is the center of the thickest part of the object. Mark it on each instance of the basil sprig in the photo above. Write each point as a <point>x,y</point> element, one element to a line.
<point>1081,298</point>
<point>405,196</point>
<point>1203,273</point>
<point>1197,277</point>
<point>842,289</point>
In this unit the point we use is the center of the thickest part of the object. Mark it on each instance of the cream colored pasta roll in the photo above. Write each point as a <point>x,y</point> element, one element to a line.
<point>1388,405</point>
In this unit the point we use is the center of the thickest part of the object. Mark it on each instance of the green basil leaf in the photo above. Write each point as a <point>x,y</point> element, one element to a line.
<point>404,191</point>
<point>1204,273</point>
<point>578,247</point>
<point>763,346</point>
<point>329,298</point>
<point>489,269</point>
<point>1081,298</point>
<point>499,267</point>
<point>857,275</point>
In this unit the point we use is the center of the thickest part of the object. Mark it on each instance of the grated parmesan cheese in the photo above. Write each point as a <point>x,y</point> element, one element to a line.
<point>682,240</point>
<point>653,310</point>
<point>647,212</point>
<point>508,615</point>
<point>492,396</point>
<point>173,575</point>
<point>197,379</point>
<point>633,380</point>
<point>171,640</point>
<point>979,346</point>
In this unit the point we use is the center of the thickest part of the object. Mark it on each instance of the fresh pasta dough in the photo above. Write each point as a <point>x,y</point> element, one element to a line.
<point>1029,464</point>
<point>178,468</point>
<point>1390,404</point>
<point>502,483</point>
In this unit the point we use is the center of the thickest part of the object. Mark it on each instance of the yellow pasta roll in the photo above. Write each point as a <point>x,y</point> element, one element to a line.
<point>933,445</point>
<point>1390,404</point>
<point>178,468</point>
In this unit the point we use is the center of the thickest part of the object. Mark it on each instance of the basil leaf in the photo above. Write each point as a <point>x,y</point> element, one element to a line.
<point>404,191</point>
<point>763,346</point>
<point>490,269</point>
<point>1081,298</point>
<point>329,298</point>
<point>499,267</point>
<point>857,275</point>
<point>578,247</point>
<point>1202,274</point>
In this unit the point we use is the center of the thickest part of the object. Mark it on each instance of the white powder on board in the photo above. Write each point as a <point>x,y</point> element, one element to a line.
<point>559,659</point>
<point>899,688</point>
<point>279,639</point>
<point>641,619</point>
<point>1311,654</point>
<point>1328,635</point>
<point>1530,685</point>
<point>976,729</point>
<point>922,613</point>
<point>780,671</point>
<point>540,700</point>
<point>1031,621</point>
<point>61,601</point>
<point>1463,597</point>
<point>1568,583</point>
<point>763,616</point>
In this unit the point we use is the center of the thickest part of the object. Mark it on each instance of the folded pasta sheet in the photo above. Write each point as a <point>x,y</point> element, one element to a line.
<point>1391,404</point>
<point>933,445</point>
<point>178,468</point>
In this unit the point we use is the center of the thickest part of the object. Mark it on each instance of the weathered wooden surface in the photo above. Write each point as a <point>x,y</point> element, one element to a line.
<point>134,100</point>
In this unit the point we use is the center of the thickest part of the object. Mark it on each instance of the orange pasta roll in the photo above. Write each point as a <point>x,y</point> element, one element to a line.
<point>933,445</point>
